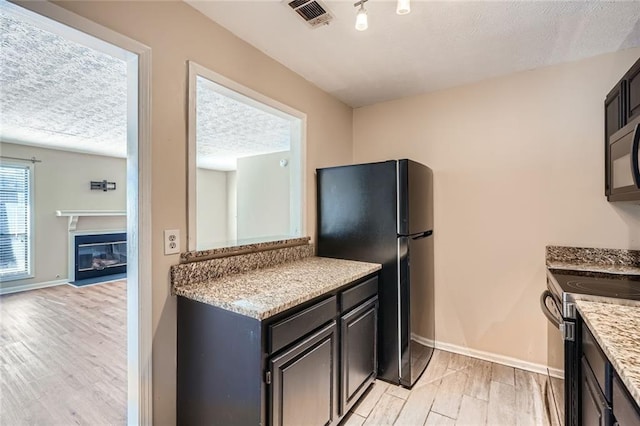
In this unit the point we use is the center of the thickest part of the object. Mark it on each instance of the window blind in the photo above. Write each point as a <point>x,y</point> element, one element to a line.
<point>15,221</point>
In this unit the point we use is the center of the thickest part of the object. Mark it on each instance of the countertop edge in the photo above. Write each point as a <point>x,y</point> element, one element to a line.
<point>310,296</point>
<point>192,293</point>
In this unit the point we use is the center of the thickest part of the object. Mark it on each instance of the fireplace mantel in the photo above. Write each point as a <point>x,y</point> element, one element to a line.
<point>75,215</point>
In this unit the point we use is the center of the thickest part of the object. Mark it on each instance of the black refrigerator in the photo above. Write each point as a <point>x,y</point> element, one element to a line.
<point>383,213</point>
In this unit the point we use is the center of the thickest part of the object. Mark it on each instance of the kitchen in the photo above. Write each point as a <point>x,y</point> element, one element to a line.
<point>517,161</point>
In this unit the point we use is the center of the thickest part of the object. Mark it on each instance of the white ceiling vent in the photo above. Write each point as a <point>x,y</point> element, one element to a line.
<point>314,12</point>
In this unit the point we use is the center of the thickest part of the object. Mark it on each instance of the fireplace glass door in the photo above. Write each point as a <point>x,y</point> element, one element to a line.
<point>100,255</point>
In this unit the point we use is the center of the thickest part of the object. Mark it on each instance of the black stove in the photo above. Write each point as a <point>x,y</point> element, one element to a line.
<point>598,284</point>
<point>558,303</point>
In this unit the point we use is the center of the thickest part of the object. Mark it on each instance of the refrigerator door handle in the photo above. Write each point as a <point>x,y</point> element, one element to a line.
<point>425,234</point>
<point>635,157</point>
<point>417,235</point>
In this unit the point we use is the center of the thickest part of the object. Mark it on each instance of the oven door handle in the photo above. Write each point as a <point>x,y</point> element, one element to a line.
<point>545,309</point>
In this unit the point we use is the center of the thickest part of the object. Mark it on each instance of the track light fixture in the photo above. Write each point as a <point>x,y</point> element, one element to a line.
<point>362,22</point>
<point>404,7</point>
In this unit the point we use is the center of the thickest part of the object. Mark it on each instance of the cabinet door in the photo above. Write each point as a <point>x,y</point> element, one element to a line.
<point>625,409</point>
<point>633,88</point>
<point>614,110</point>
<point>614,119</point>
<point>304,381</point>
<point>359,330</point>
<point>594,410</point>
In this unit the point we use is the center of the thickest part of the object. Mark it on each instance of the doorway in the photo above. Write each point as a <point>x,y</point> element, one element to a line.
<point>136,58</point>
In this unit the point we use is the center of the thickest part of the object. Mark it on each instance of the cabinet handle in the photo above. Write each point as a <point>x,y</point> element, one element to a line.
<point>634,156</point>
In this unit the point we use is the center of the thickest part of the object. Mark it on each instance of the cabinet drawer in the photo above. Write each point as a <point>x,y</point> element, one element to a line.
<point>624,407</point>
<point>296,326</point>
<point>358,294</point>
<point>597,361</point>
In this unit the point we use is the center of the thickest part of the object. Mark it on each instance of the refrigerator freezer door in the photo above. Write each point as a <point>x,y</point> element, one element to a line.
<point>357,213</point>
<point>415,197</point>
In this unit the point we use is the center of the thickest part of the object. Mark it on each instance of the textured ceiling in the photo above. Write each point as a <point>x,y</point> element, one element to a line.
<point>227,129</point>
<point>55,92</point>
<point>440,44</point>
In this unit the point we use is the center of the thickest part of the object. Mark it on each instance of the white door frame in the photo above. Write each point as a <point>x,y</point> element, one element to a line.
<point>139,303</point>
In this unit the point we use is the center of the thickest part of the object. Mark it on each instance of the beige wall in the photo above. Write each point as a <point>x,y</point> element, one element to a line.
<point>263,196</point>
<point>61,182</point>
<point>517,162</point>
<point>518,165</point>
<point>212,208</point>
<point>232,206</point>
<point>177,33</point>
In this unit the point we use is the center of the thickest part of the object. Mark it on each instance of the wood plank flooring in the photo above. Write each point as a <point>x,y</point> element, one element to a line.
<point>457,390</point>
<point>63,362</point>
<point>63,356</point>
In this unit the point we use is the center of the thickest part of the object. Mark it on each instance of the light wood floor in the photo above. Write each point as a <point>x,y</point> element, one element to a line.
<point>458,390</point>
<point>63,362</point>
<point>63,356</point>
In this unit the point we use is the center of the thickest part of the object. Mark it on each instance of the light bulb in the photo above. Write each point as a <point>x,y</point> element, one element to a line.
<point>361,20</point>
<point>404,7</point>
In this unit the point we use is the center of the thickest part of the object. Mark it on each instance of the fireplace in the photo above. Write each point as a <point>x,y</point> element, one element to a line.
<point>100,255</point>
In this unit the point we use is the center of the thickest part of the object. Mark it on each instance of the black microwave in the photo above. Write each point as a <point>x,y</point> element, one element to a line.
<point>623,168</point>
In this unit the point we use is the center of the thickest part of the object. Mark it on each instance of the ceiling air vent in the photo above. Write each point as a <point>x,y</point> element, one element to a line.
<point>314,12</point>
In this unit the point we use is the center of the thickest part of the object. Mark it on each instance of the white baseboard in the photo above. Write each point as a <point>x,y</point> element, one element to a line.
<point>488,356</point>
<point>34,286</point>
<point>423,340</point>
<point>556,372</point>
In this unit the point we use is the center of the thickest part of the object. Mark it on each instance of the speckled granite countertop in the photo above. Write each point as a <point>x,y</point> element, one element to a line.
<point>266,292</point>
<point>617,330</point>
<point>611,261</point>
<point>239,248</point>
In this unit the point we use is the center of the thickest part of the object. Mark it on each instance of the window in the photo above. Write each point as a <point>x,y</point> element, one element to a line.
<point>15,221</point>
<point>246,155</point>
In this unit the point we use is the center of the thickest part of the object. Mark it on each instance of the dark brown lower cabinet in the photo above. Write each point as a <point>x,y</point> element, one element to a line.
<point>603,400</point>
<point>594,408</point>
<point>304,381</point>
<point>625,409</point>
<point>358,355</point>
<point>304,366</point>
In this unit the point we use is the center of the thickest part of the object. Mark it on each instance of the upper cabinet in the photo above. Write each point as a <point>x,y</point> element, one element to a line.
<point>622,104</point>
<point>614,114</point>
<point>622,138</point>
<point>632,101</point>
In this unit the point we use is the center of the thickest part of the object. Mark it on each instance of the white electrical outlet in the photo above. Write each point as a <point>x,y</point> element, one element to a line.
<point>171,241</point>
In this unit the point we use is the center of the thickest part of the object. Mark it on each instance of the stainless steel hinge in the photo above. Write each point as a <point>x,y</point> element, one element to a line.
<point>267,377</point>
<point>568,330</point>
